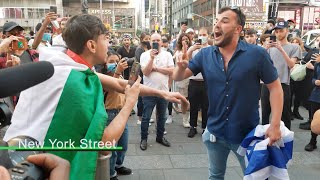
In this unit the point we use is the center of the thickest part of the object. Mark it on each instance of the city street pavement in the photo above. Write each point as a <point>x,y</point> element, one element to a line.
<point>186,159</point>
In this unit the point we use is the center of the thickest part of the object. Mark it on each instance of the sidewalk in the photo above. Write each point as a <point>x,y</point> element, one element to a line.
<point>186,159</point>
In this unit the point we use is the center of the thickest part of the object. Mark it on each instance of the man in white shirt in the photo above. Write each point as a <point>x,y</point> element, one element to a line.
<point>157,67</point>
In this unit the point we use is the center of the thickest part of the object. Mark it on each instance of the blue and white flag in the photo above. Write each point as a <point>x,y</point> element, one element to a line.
<point>263,161</point>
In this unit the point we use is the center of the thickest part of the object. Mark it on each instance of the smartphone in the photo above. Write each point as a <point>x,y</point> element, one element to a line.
<point>155,45</point>
<point>21,44</point>
<point>198,41</point>
<point>273,38</point>
<point>135,71</point>
<point>53,9</point>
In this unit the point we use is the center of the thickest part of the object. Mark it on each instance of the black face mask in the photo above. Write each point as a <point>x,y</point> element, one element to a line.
<point>146,43</point>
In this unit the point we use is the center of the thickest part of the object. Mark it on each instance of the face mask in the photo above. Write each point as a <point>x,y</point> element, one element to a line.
<point>291,27</point>
<point>164,49</point>
<point>147,43</point>
<point>46,37</point>
<point>204,39</point>
<point>111,67</point>
<point>270,28</point>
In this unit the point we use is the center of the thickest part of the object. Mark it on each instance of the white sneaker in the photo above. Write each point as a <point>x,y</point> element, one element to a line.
<point>185,120</point>
<point>151,120</point>
<point>169,120</point>
<point>165,132</point>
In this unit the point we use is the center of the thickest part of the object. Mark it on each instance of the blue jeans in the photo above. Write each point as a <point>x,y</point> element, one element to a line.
<point>117,157</point>
<point>218,152</point>
<point>149,102</point>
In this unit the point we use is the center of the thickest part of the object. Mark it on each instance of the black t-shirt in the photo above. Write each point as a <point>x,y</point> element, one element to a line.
<point>124,53</point>
<point>25,57</point>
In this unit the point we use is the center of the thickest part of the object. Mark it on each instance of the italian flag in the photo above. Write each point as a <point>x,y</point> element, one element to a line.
<point>67,107</point>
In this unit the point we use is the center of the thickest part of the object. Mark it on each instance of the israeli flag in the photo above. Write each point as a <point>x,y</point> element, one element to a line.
<point>263,161</point>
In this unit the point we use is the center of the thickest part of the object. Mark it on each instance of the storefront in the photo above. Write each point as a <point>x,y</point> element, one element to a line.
<point>304,12</point>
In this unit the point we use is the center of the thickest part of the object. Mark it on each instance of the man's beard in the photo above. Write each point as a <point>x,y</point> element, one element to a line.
<point>226,40</point>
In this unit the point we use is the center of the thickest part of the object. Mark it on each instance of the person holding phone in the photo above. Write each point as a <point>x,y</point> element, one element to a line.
<point>157,66</point>
<point>184,42</point>
<point>284,56</point>
<point>197,92</point>
<point>114,102</point>
<point>15,44</point>
<point>310,58</point>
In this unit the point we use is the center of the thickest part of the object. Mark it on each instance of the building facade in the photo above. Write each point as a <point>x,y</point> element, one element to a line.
<point>27,13</point>
<point>119,16</point>
<point>204,12</point>
<point>181,12</point>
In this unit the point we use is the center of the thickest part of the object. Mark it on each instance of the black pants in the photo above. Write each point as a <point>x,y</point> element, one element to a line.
<point>198,98</point>
<point>297,90</point>
<point>266,108</point>
<point>170,107</point>
<point>314,107</point>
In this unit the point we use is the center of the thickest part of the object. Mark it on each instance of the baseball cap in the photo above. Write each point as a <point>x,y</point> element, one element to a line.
<point>281,24</point>
<point>8,26</point>
<point>189,30</point>
<point>126,36</point>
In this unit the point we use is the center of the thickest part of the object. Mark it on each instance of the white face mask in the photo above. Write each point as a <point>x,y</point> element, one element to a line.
<point>204,39</point>
<point>164,49</point>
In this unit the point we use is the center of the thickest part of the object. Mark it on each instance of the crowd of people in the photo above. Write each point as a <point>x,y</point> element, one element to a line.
<point>221,75</point>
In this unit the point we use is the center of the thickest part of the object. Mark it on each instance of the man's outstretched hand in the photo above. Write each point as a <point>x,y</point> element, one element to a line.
<point>176,97</point>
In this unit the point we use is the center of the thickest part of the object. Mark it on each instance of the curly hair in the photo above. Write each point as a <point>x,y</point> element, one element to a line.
<point>179,42</point>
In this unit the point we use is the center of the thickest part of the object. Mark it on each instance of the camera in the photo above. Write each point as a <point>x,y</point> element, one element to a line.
<point>5,115</point>
<point>15,161</point>
<point>129,60</point>
<point>273,38</point>
<point>198,41</point>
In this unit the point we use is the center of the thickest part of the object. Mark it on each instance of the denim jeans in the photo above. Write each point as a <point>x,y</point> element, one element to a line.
<point>218,152</point>
<point>117,157</point>
<point>149,102</point>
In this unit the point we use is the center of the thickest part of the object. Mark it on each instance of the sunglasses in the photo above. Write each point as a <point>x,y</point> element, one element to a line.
<point>237,10</point>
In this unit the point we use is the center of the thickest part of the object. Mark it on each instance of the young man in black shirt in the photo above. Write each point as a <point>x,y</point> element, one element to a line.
<point>126,50</point>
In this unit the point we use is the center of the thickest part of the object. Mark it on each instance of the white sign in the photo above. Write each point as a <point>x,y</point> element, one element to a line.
<point>175,23</point>
<point>147,23</point>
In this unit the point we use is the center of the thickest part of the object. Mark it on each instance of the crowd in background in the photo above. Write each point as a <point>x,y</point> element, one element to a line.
<point>280,39</point>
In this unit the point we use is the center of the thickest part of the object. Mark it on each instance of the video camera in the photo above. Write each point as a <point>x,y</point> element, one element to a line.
<point>5,114</point>
<point>129,60</point>
<point>15,161</point>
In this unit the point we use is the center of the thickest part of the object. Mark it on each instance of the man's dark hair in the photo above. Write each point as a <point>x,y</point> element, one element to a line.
<point>80,29</point>
<point>143,35</point>
<point>271,21</point>
<point>31,33</point>
<point>250,31</point>
<point>241,18</point>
